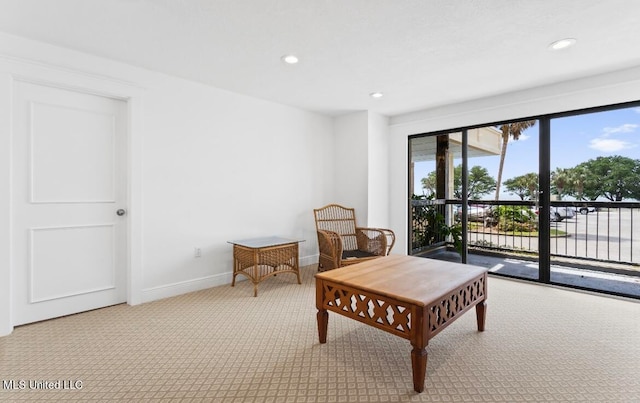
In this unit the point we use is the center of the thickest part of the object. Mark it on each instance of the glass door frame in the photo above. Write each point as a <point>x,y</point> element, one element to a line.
<point>544,185</point>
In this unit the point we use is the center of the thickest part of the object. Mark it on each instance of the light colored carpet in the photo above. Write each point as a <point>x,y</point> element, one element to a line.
<point>223,345</point>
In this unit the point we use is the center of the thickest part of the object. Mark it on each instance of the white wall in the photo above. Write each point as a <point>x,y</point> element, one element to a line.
<point>606,89</point>
<point>220,166</point>
<point>209,166</point>
<point>350,181</point>
<point>361,177</point>
<point>378,170</point>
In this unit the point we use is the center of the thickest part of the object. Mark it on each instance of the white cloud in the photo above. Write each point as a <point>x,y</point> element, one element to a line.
<point>523,137</point>
<point>625,128</point>
<point>609,145</point>
<point>636,110</point>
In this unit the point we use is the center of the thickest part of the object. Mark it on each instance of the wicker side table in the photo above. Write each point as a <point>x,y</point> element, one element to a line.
<point>260,258</point>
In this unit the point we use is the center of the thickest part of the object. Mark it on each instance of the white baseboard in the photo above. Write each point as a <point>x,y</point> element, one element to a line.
<point>308,260</point>
<point>183,287</point>
<point>5,329</point>
<point>202,283</point>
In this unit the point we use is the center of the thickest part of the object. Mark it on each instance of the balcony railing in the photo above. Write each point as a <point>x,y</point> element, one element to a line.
<point>599,231</point>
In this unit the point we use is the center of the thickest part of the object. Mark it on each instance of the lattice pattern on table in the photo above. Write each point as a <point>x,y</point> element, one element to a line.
<point>267,260</point>
<point>268,256</point>
<point>388,314</point>
<point>444,311</point>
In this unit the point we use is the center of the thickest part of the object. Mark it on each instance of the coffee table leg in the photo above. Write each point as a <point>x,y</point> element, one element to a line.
<point>419,367</point>
<point>322,316</point>
<point>323,321</point>
<point>481,313</point>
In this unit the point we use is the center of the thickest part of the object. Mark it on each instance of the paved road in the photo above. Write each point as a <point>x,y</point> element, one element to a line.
<point>608,235</point>
<point>612,235</point>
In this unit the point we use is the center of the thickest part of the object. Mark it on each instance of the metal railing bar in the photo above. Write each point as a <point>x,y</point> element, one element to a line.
<point>591,240</point>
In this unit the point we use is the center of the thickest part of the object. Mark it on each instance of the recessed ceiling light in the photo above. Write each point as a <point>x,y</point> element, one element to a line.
<point>562,44</point>
<point>376,95</point>
<point>290,59</point>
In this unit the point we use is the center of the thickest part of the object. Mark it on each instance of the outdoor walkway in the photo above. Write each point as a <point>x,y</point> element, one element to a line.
<point>609,281</point>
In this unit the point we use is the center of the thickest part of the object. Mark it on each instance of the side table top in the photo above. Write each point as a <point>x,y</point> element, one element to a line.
<point>265,242</point>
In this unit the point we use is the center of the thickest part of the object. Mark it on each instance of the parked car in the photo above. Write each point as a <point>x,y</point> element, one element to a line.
<point>557,214</point>
<point>475,213</point>
<point>563,212</point>
<point>585,209</point>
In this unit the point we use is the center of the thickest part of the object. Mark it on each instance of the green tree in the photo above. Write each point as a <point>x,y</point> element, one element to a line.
<point>561,181</point>
<point>509,131</point>
<point>524,186</point>
<point>480,182</point>
<point>429,183</point>
<point>578,176</point>
<point>614,178</point>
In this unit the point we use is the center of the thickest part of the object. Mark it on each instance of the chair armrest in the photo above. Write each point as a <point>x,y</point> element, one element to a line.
<point>378,241</point>
<point>391,239</point>
<point>330,248</point>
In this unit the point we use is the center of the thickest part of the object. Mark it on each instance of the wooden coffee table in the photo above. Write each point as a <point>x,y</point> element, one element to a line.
<point>411,297</point>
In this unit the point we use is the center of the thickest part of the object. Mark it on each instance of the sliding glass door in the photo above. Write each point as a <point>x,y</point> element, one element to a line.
<point>481,190</point>
<point>554,199</point>
<point>595,192</point>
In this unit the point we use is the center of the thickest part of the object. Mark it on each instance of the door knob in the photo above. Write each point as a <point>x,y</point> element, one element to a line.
<point>121,212</point>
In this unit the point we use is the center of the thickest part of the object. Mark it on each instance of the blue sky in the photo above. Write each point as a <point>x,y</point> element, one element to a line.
<point>574,140</point>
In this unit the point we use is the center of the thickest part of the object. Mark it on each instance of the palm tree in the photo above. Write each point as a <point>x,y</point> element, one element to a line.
<point>561,179</point>
<point>429,183</point>
<point>578,176</point>
<point>509,130</point>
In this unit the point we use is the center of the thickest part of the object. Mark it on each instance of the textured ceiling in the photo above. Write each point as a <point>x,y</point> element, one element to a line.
<point>419,53</point>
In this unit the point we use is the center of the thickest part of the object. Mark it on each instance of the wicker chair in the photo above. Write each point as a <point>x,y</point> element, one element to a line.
<point>342,242</point>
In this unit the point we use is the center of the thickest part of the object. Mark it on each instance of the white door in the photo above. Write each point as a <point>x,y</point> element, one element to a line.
<point>69,181</point>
